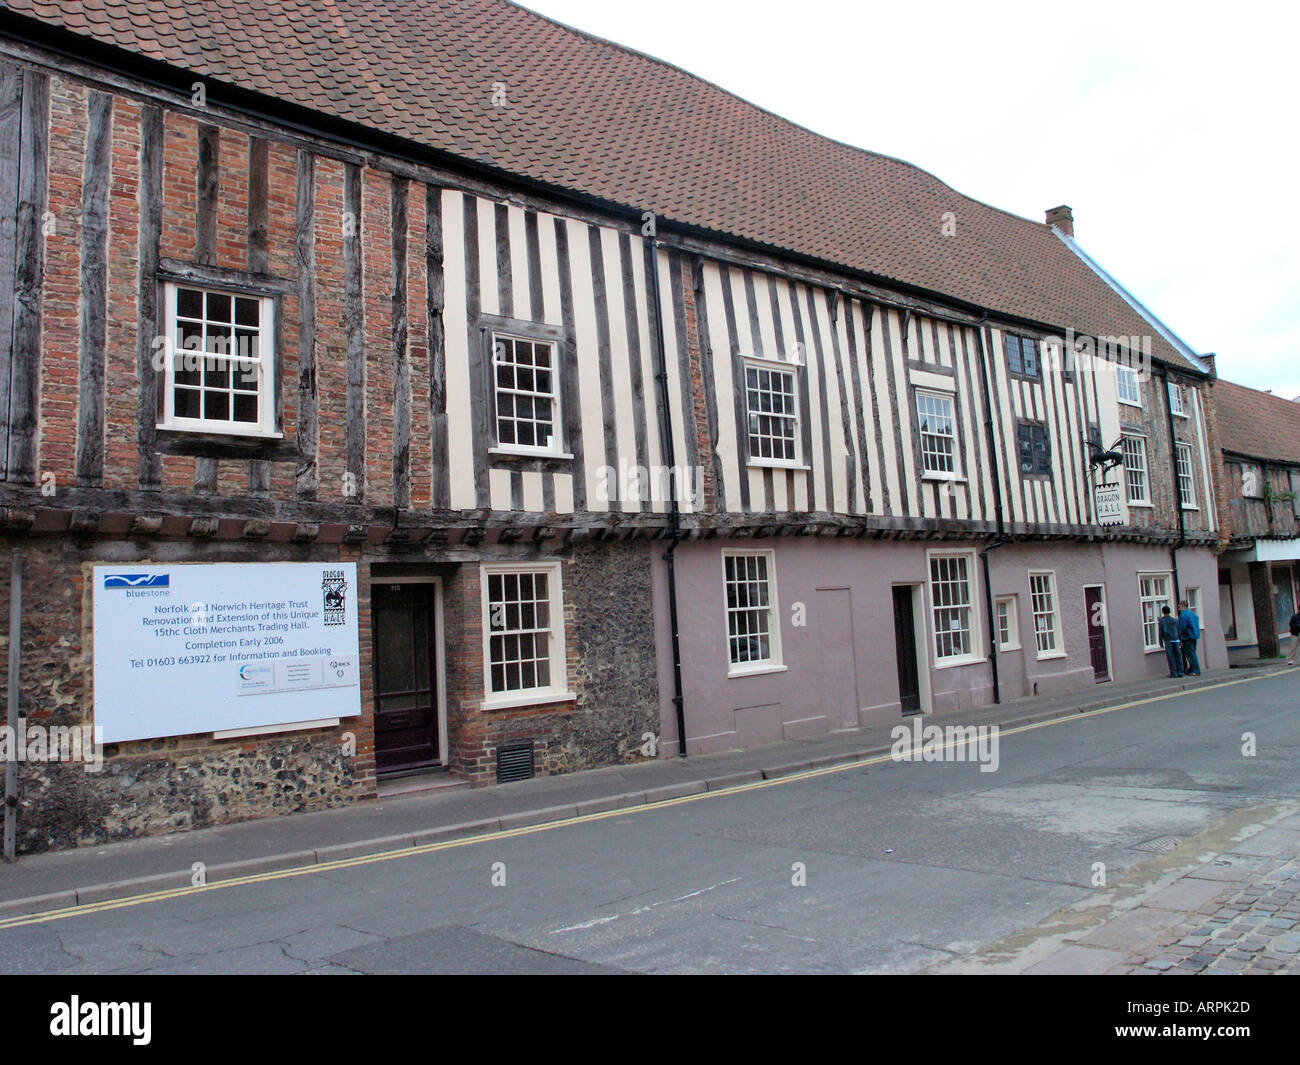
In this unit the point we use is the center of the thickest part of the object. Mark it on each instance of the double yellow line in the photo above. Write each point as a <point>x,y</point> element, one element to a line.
<point>468,841</point>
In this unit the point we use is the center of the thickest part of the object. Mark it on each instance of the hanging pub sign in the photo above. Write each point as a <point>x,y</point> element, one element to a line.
<point>1108,504</point>
<point>216,647</point>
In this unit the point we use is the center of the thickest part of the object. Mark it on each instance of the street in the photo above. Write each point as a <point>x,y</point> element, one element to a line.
<point>886,868</point>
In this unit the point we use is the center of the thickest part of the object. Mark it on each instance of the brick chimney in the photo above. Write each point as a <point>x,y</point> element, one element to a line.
<point>1063,218</point>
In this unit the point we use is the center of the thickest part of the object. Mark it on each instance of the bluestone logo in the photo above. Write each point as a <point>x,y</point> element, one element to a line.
<point>137,580</point>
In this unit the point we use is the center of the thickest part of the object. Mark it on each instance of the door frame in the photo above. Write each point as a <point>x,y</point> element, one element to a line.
<point>920,643</point>
<point>440,646</point>
<point>1105,602</point>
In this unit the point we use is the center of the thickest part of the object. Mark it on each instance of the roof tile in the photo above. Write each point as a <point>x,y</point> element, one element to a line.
<point>597,118</point>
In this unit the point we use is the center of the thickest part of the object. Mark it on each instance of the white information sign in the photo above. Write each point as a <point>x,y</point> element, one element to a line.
<point>186,649</point>
<point>1109,503</point>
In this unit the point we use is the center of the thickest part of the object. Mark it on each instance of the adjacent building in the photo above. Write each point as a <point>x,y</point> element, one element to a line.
<point>608,408</point>
<point>1258,570</point>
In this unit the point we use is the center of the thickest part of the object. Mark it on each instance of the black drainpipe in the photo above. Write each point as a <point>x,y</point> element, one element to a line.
<point>674,514</point>
<point>1178,486</point>
<point>991,620</point>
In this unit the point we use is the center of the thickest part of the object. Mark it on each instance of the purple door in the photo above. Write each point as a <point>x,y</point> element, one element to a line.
<point>1094,600</point>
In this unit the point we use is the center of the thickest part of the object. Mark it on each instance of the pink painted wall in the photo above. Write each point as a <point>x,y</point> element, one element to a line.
<point>839,669</point>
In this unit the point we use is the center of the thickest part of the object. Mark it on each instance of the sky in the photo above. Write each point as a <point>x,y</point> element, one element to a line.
<point>1170,129</point>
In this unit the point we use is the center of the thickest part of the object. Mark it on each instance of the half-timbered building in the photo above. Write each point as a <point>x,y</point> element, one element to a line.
<point>640,411</point>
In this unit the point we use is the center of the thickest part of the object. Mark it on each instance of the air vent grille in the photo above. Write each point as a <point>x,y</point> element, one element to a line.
<point>514,762</point>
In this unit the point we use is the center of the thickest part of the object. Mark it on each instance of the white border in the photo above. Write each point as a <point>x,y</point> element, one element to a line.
<point>775,662</point>
<point>557,690</point>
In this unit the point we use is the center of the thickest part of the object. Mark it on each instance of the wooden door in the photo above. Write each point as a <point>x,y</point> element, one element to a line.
<point>909,679</point>
<point>1094,601</point>
<point>406,644</point>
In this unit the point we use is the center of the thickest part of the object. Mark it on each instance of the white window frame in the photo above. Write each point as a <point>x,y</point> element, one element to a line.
<point>1187,478</point>
<point>975,652</point>
<point>557,689</point>
<point>267,363</point>
<point>948,398</point>
<point>1177,401</point>
<point>1128,386</point>
<point>1012,615</point>
<point>1052,615</point>
<point>774,663</point>
<point>1157,601</point>
<point>760,364</point>
<point>1145,499</point>
<point>556,447</point>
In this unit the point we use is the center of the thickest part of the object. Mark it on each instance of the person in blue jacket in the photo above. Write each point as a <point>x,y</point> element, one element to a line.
<point>1189,630</point>
<point>1171,641</point>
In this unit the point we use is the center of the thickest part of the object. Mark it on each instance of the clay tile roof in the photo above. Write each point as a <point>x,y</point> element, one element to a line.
<point>597,118</point>
<point>1257,424</point>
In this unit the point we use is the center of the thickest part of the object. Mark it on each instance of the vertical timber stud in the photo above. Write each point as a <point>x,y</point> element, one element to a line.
<point>150,236</point>
<point>11,710</point>
<point>259,470</point>
<point>437,347</point>
<point>11,105</point>
<point>94,292</point>
<point>304,250</point>
<point>401,356</point>
<point>208,181</point>
<point>29,269</point>
<point>354,312</point>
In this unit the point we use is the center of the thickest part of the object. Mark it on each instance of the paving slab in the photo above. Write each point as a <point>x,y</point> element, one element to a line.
<point>1074,960</point>
<point>1140,927</point>
<point>1186,895</point>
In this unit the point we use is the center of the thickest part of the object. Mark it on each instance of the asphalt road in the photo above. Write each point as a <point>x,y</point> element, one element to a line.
<point>905,864</point>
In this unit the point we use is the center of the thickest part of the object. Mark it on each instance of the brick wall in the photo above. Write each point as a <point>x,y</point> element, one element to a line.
<point>159,785</point>
<point>610,666</point>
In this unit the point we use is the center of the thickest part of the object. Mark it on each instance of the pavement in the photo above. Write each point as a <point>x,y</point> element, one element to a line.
<point>1226,901</point>
<point>53,881</point>
<point>1247,656</point>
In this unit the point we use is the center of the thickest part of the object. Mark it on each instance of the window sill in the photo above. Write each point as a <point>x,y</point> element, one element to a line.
<point>754,671</point>
<point>529,453</point>
<point>1129,403</point>
<point>775,464</point>
<point>218,430</point>
<point>1144,506</point>
<point>1049,656</point>
<point>533,698</point>
<point>943,478</point>
<point>1186,507</point>
<point>966,660</point>
<point>1008,647</point>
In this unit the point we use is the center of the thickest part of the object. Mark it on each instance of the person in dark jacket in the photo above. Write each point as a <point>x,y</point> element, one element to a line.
<point>1295,639</point>
<point>1189,631</point>
<point>1171,641</point>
